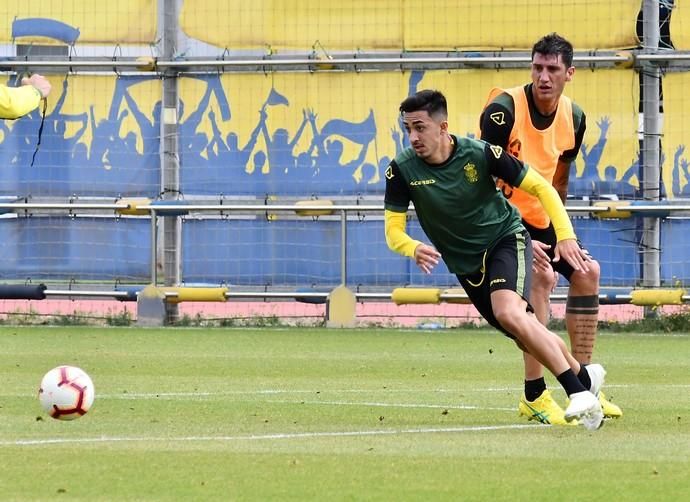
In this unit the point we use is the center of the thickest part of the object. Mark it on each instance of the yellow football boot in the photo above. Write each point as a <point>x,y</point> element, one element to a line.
<point>543,409</point>
<point>610,410</point>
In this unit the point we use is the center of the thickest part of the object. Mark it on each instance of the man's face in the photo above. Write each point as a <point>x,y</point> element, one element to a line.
<point>549,76</point>
<point>426,134</point>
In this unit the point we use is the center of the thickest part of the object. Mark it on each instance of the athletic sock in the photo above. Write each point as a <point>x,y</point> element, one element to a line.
<point>534,388</point>
<point>583,376</point>
<point>571,384</point>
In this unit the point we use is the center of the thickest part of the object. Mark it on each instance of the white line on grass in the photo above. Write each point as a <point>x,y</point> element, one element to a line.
<point>137,395</point>
<point>313,402</point>
<point>192,395</point>
<point>398,405</point>
<point>153,395</point>
<point>300,435</point>
<point>141,395</point>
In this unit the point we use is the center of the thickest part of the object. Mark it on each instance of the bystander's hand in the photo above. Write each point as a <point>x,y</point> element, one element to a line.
<point>39,82</point>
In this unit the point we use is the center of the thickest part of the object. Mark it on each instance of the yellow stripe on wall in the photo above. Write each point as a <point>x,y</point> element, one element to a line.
<point>680,26</point>
<point>499,24</point>
<point>295,24</point>
<point>676,139</point>
<point>98,21</point>
<point>335,25</point>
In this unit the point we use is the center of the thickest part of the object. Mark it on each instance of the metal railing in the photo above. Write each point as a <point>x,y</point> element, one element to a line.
<point>313,210</point>
<point>360,61</point>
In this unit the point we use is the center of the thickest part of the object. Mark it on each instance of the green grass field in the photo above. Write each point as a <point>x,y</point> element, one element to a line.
<point>315,414</point>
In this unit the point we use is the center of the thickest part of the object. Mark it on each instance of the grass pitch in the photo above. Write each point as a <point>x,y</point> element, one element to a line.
<point>313,414</point>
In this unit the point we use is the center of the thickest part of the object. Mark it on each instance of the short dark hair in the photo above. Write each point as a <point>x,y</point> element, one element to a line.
<point>554,45</point>
<point>433,102</point>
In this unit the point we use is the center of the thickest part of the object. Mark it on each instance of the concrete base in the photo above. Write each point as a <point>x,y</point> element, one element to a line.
<point>340,308</point>
<point>151,310</point>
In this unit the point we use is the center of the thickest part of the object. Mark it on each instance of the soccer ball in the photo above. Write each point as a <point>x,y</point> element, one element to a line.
<point>66,392</point>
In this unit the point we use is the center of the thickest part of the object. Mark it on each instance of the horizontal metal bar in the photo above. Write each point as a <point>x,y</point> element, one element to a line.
<point>587,209</point>
<point>366,60</point>
<point>362,60</point>
<point>295,208</point>
<point>386,296</point>
<point>558,297</point>
<point>641,208</point>
<point>98,293</point>
<point>277,294</point>
<point>372,207</point>
<point>663,56</point>
<point>228,207</point>
<point>22,206</point>
<point>64,63</point>
<point>633,208</point>
<point>373,296</point>
<point>263,207</point>
<point>60,205</point>
<point>290,207</point>
<point>153,64</point>
<point>73,292</point>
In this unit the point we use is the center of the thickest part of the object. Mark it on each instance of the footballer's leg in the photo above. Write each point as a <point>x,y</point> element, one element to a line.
<point>537,403</point>
<point>508,279</point>
<point>582,316</point>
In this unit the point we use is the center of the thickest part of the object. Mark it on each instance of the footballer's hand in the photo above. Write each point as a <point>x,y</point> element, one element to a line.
<point>426,257</point>
<point>570,251</point>
<point>541,260</point>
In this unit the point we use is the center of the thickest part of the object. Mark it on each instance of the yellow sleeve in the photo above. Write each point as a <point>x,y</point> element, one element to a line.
<point>16,102</point>
<point>396,237</point>
<point>534,184</point>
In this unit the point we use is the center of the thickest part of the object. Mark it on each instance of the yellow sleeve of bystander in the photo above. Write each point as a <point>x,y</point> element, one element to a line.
<point>18,101</point>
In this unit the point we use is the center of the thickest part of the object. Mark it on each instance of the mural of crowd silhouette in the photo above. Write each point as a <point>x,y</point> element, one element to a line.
<point>113,165</point>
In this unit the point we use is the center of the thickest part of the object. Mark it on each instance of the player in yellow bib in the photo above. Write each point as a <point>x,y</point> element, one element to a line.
<point>540,126</point>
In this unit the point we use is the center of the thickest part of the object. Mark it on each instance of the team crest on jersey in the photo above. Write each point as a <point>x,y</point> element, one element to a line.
<point>498,118</point>
<point>471,172</point>
<point>389,173</point>
<point>496,150</point>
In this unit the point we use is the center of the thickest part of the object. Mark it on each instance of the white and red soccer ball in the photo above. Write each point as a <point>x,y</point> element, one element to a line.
<point>66,392</point>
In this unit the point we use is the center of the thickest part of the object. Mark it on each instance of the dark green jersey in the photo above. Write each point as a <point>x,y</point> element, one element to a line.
<point>457,203</point>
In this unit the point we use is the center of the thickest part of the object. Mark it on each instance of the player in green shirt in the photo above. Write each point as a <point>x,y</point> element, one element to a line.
<point>480,237</point>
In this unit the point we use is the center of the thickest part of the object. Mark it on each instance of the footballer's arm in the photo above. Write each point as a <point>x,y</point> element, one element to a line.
<point>396,202</point>
<point>514,172</point>
<point>496,122</point>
